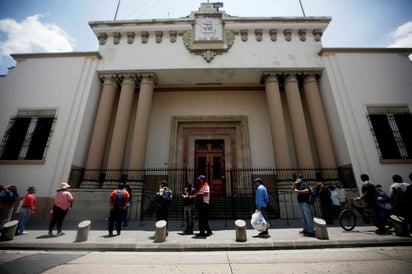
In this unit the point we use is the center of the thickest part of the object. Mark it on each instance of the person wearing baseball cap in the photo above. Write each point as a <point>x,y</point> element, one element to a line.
<point>262,200</point>
<point>203,196</point>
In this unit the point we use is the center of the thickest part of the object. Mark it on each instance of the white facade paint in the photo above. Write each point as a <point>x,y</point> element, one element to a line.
<point>351,80</point>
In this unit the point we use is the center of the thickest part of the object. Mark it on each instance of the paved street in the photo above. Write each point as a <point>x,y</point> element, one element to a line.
<point>374,260</point>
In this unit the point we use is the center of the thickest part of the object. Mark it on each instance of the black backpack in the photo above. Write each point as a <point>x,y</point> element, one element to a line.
<point>120,200</point>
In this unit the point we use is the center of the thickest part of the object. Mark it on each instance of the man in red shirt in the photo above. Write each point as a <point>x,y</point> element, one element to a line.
<point>118,204</point>
<point>28,207</point>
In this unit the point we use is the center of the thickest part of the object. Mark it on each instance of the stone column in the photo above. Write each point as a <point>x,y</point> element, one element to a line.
<point>277,123</point>
<point>102,122</point>
<point>299,129</point>
<point>138,150</point>
<point>121,124</point>
<point>319,124</point>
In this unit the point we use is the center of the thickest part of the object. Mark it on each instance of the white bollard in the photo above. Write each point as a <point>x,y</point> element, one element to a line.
<point>321,229</point>
<point>9,230</point>
<point>83,231</point>
<point>160,231</point>
<point>240,228</point>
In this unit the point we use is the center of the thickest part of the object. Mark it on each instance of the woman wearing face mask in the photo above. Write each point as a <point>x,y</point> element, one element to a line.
<point>301,188</point>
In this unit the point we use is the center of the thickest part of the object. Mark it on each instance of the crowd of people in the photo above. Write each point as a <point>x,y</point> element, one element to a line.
<point>332,200</point>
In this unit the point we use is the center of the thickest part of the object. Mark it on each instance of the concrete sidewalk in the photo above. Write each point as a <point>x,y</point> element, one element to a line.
<point>139,236</point>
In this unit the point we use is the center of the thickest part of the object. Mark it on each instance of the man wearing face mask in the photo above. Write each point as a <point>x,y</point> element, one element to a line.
<point>301,188</point>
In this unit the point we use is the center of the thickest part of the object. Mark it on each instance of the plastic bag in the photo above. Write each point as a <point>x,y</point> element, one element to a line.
<point>19,207</point>
<point>258,222</point>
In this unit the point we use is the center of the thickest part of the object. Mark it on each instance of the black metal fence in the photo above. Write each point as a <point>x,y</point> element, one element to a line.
<point>238,200</point>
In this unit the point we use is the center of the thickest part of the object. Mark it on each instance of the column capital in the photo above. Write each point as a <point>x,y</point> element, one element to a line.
<point>310,77</point>
<point>128,78</point>
<point>148,78</point>
<point>291,77</point>
<point>110,79</point>
<point>268,77</point>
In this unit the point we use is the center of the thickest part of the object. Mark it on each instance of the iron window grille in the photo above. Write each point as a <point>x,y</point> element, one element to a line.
<point>391,127</point>
<point>28,135</point>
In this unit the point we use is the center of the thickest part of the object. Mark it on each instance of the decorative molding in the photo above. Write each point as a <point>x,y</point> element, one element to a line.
<point>145,36</point>
<point>243,34</point>
<point>159,35</point>
<point>208,49</point>
<point>258,35</point>
<point>302,34</point>
<point>273,35</point>
<point>130,37</point>
<point>317,34</point>
<point>288,34</point>
<point>116,37</point>
<point>173,36</point>
<point>102,36</point>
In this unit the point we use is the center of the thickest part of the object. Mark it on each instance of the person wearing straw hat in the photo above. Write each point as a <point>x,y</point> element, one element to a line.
<point>63,201</point>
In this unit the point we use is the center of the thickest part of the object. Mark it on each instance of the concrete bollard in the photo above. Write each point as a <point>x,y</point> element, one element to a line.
<point>160,231</point>
<point>240,228</point>
<point>83,231</point>
<point>400,226</point>
<point>9,230</point>
<point>321,230</point>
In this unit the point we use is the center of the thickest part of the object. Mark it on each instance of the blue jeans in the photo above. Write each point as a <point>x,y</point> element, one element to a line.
<point>307,219</point>
<point>24,217</point>
<point>188,212</point>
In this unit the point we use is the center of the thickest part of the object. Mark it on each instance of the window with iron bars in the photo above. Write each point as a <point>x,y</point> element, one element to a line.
<point>391,127</point>
<point>28,135</point>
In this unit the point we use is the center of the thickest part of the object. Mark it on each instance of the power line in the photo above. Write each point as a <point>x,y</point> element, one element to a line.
<point>301,7</point>
<point>117,9</point>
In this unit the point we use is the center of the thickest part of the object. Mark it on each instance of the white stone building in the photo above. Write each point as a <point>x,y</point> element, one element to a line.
<point>209,88</point>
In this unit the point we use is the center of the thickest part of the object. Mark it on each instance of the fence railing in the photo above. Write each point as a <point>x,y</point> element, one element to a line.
<point>237,201</point>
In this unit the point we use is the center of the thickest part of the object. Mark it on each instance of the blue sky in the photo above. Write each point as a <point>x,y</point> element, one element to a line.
<point>28,26</point>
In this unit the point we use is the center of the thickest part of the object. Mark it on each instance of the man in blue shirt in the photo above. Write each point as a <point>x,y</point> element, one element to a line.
<point>262,200</point>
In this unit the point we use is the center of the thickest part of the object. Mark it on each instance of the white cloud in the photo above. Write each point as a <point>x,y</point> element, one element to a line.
<point>31,35</point>
<point>402,36</point>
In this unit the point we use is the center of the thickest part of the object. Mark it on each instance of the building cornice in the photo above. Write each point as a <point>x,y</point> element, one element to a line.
<point>402,51</point>
<point>20,56</point>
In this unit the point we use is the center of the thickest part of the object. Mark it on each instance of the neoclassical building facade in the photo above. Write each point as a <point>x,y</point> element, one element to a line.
<point>209,89</point>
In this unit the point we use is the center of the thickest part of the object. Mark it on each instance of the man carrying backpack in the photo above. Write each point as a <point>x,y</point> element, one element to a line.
<point>164,200</point>
<point>118,203</point>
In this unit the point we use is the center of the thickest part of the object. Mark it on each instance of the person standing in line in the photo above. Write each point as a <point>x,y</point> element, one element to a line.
<point>28,207</point>
<point>301,188</point>
<point>63,201</point>
<point>325,202</point>
<point>262,200</point>
<point>118,203</point>
<point>400,193</point>
<point>341,195</point>
<point>334,196</point>
<point>125,214</point>
<point>203,196</point>
<point>164,200</point>
<point>369,195</point>
<point>8,195</point>
<point>189,206</point>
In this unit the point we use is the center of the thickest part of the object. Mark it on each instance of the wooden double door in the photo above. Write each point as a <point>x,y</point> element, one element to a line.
<point>210,161</point>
